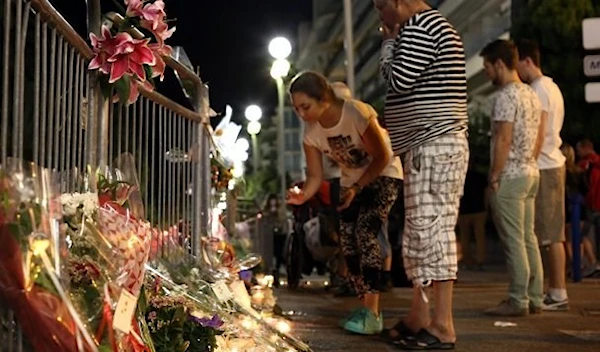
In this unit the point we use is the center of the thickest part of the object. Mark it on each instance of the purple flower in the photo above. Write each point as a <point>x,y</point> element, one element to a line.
<point>246,275</point>
<point>215,322</point>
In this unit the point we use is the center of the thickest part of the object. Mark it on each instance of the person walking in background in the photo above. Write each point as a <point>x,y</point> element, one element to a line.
<point>550,199</point>
<point>423,64</point>
<point>275,220</point>
<point>348,132</point>
<point>576,187</point>
<point>472,218</point>
<point>589,162</point>
<point>514,178</point>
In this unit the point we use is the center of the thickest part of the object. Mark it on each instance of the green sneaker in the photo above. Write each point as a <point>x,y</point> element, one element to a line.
<point>351,316</point>
<point>365,323</point>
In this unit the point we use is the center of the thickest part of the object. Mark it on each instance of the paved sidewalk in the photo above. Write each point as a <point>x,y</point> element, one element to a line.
<point>316,316</point>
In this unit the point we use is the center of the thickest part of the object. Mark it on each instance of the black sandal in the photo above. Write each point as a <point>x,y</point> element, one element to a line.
<point>423,341</point>
<point>402,332</point>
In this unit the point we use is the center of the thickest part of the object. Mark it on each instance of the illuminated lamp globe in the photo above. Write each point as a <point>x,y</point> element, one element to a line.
<point>280,68</point>
<point>253,113</point>
<point>254,127</point>
<point>280,48</point>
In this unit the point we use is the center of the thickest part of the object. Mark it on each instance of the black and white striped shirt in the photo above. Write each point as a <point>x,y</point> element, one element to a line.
<point>424,68</point>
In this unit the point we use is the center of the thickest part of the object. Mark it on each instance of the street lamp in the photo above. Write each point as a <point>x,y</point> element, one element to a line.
<point>280,49</point>
<point>253,115</point>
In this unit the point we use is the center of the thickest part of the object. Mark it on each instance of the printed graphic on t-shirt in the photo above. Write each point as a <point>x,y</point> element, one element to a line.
<point>343,150</point>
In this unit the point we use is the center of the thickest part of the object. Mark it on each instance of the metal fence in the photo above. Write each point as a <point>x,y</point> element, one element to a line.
<point>53,113</point>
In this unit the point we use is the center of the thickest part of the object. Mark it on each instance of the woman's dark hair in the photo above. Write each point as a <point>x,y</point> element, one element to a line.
<point>313,84</point>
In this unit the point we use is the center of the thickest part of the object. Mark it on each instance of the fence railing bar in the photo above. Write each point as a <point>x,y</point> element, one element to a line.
<point>44,93</point>
<point>148,170</point>
<point>16,117</point>
<point>162,179</point>
<point>120,112</point>
<point>111,134</point>
<point>187,178</point>
<point>63,106</point>
<point>154,200</point>
<point>25,26</point>
<point>173,167</point>
<point>82,109</point>
<point>5,78</point>
<point>170,174</point>
<point>181,217</point>
<point>36,91</point>
<point>51,99</point>
<point>76,126</point>
<point>89,114</point>
<point>72,93</point>
<point>129,111</point>
<point>58,103</point>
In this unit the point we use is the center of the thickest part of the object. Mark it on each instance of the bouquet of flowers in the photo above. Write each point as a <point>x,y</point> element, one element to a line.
<point>127,62</point>
<point>29,261</point>
<point>108,250</point>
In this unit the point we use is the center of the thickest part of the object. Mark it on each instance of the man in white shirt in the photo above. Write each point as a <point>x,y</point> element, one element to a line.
<point>550,200</point>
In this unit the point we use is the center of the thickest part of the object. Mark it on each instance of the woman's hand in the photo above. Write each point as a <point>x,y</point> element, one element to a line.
<point>348,196</point>
<point>295,196</point>
<point>390,32</point>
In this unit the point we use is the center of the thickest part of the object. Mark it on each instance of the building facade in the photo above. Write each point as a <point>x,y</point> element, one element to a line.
<point>322,42</point>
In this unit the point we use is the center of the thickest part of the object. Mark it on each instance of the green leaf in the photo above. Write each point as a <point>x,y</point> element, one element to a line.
<point>142,306</point>
<point>123,87</point>
<point>148,71</point>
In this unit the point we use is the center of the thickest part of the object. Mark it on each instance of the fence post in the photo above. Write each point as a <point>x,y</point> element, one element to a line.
<point>97,112</point>
<point>202,182</point>
<point>576,202</point>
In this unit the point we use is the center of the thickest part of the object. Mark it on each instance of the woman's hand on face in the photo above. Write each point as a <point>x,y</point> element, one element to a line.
<point>348,196</point>
<point>390,32</point>
<point>295,196</point>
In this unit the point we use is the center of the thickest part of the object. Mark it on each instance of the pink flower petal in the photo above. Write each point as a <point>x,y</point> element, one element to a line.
<point>94,41</point>
<point>138,70</point>
<point>106,33</point>
<point>96,62</point>
<point>134,93</point>
<point>122,38</point>
<point>118,69</point>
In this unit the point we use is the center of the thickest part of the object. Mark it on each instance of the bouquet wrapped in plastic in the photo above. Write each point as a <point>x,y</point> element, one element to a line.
<point>30,261</point>
<point>108,250</point>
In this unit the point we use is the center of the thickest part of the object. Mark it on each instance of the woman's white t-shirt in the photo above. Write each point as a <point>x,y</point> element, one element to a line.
<point>343,142</point>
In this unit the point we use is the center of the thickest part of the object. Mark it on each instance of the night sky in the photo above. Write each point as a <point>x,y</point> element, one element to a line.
<point>227,39</point>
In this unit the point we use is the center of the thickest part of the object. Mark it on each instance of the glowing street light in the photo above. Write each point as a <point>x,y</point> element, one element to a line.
<point>254,128</point>
<point>280,68</point>
<point>253,113</point>
<point>280,48</point>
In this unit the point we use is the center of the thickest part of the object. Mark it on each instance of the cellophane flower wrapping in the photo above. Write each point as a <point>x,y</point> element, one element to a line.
<point>109,248</point>
<point>30,265</point>
<point>243,328</point>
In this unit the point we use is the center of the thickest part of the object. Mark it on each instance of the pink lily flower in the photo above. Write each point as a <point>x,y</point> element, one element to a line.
<point>134,7</point>
<point>158,70</point>
<point>129,57</point>
<point>103,47</point>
